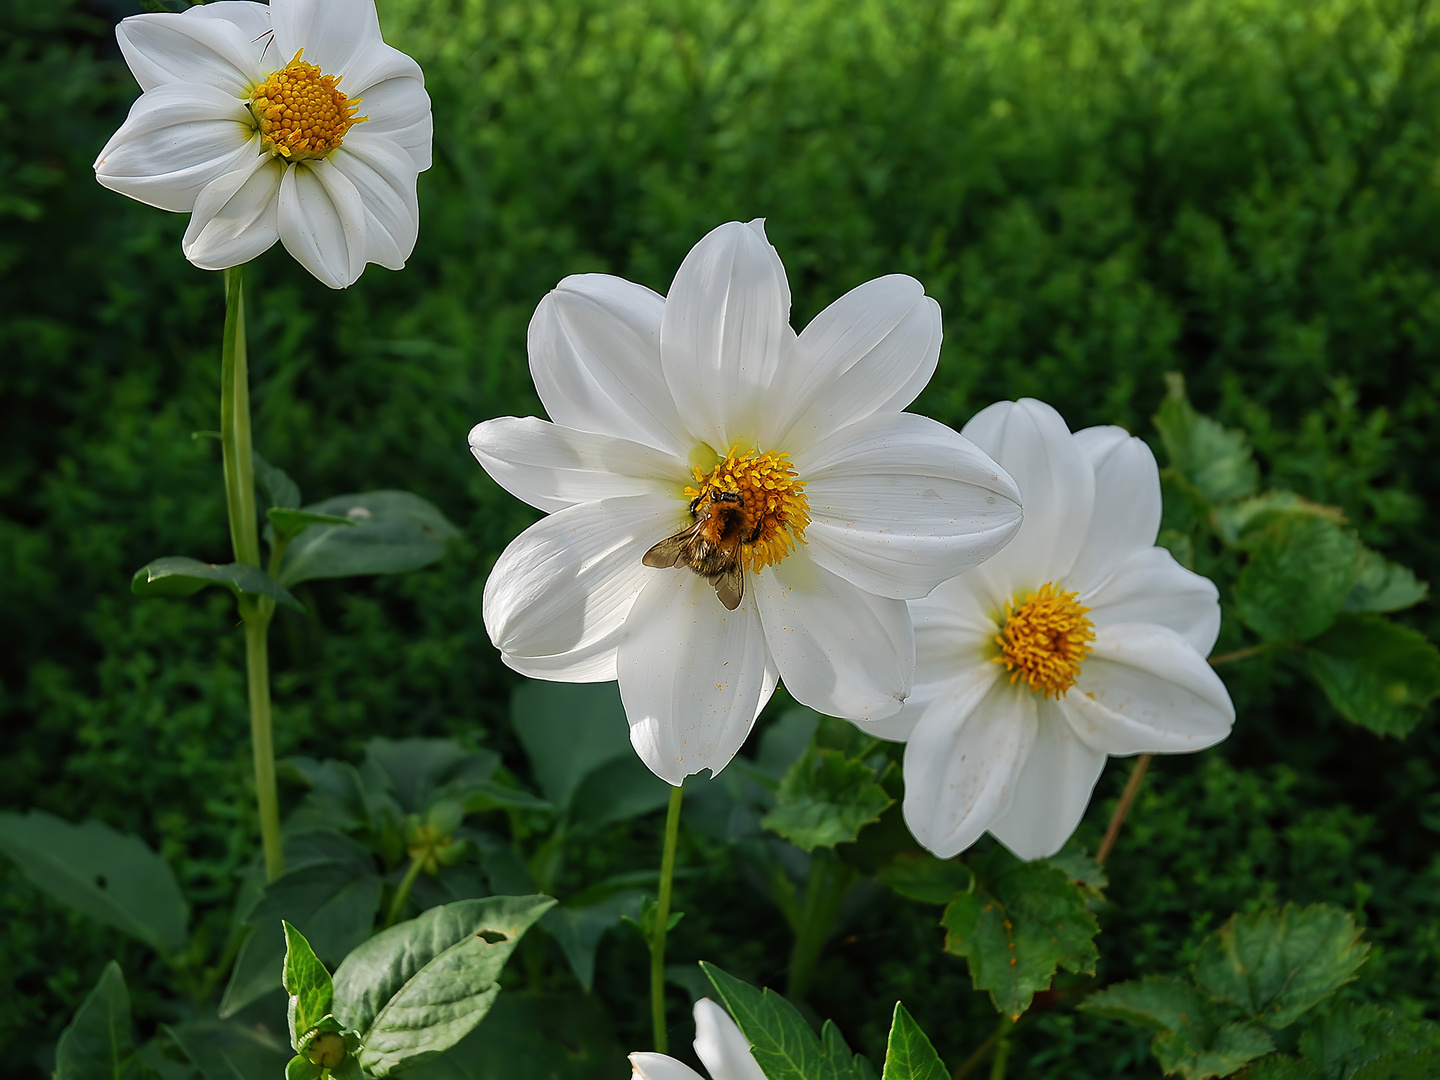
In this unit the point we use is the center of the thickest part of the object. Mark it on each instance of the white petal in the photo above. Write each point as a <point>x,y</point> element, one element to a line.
<point>178,138</point>
<point>1057,487</point>
<point>552,467</point>
<point>648,1066</point>
<point>390,88</point>
<point>900,503</point>
<point>384,175</point>
<point>963,758</point>
<point>332,32</point>
<point>1151,587</point>
<point>595,356</point>
<point>1145,690</point>
<point>1127,502</point>
<point>691,674</point>
<point>1052,791</point>
<point>840,650</point>
<point>166,47</point>
<point>236,216</point>
<point>872,351</point>
<point>253,19</point>
<point>322,222</point>
<point>720,1045</point>
<point>727,320</point>
<point>953,633</point>
<point>559,594</point>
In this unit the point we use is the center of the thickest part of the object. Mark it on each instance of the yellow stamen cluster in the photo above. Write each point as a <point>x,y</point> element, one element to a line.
<point>1045,639</point>
<point>301,112</point>
<point>775,507</point>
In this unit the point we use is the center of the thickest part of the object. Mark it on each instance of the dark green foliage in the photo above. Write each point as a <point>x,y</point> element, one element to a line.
<point>1096,194</point>
<point>98,1043</point>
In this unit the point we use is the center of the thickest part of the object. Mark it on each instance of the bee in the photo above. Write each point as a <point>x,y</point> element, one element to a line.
<point>711,546</point>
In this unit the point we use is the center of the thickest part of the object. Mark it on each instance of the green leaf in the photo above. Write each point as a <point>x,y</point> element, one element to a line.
<point>578,928</point>
<point>420,771</point>
<point>176,575</point>
<point>332,899</point>
<point>98,1043</point>
<point>280,491</point>
<point>107,875</point>
<point>1381,585</point>
<point>224,1050</point>
<point>308,984</point>
<point>1235,522</point>
<point>783,1044</point>
<point>1349,1036</point>
<point>925,878</point>
<point>301,1068</point>
<point>1214,458</point>
<point>1418,1065</point>
<point>1275,966</point>
<point>288,523</point>
<point>1191,1039</point>
<point>618,790</point>
<point>549,1036</point>
<point>909,1055</point>
<point>1376,673</point>
<point>394,532</point>
<point>825,799</point>
<point>1281,1067</point>
<point>1300,571</point>
<point>1226,1052</point>
<point>420,987</point>
<point>1021,923</point>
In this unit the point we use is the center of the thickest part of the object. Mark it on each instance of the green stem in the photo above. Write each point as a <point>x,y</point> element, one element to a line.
<point>245,540</point>
<point>662,924</point>
<point>829,882</point>
<point>1242,654</point>
<point>1002,1049</point>
<point>406,884</point>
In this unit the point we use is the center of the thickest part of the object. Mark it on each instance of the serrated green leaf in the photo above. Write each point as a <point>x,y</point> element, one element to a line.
<point>279,489</point>
<point>1022,922</point>
<point>1235,522</point>
<point>825,799</point>
<point>1282,1067</point>
<point>1227,1051</point>
<point>1376,673</point>
<point>332,897</point>
<point>224,1050</point>
<point>1416,1065</point>
<point>307,982</point>
<point>107,875</point>
<point>418,988</point>
<point>176,576</point>
<point>909,1054</point>
<point>1349,1036</point>
<point>783,1044</point>
<point>1214,458</point>
<point>393,532</point>
<point>97,1043</point>
<point>1381,585</point>
<point>1275,966</point>
<point>1301,569</point>
<point>921,876</point>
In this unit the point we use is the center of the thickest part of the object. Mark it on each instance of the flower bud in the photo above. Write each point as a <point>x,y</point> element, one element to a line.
<point>327,1050</point>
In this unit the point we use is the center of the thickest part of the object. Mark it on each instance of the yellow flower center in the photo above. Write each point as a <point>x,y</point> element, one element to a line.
<point>301,113</point>
<point>1045,639</point>
<point>773,505</point>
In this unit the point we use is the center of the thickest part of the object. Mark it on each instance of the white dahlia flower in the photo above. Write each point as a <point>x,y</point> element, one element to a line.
<point>719,1044</point>
<point>1080,640</point>
<point>252,122</point>
<point>731,503</point>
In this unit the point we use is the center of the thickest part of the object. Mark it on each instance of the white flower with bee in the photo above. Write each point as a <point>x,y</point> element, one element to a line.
<point>731,503</point>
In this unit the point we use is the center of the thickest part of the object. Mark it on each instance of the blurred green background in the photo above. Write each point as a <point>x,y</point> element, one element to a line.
<point>1096,191</point>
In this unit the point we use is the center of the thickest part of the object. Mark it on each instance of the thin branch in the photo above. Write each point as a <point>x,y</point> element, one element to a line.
<point>1132,786</point>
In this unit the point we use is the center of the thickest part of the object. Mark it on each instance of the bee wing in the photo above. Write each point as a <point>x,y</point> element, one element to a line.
<point>730,586</point>
<point>667,552</point>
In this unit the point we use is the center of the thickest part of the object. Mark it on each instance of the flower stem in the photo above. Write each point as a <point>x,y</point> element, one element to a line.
<point>662,924</point>
<point>245,540</point>
<point>829,881</point>
<point>1002,1049</point>
<point>406,884</point>
<point>1241,654</point>
<point>1132,787</point>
